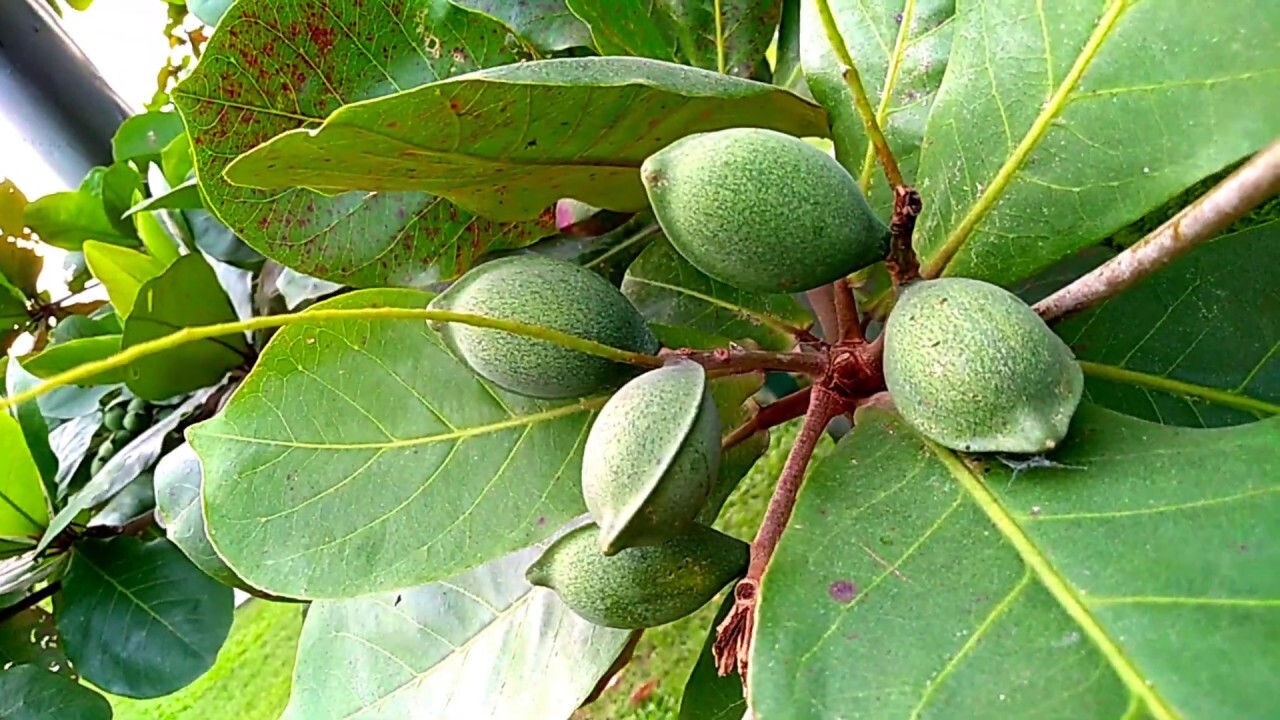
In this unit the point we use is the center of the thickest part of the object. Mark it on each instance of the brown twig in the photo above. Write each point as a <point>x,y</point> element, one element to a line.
<point>732,646</point>
<point>1248,187</point>
<point>822,300</point>
<point>740,360</point>
<point>846,312</point>
<point>774,414</point>
<point>30,601</point>
<point>902,263</point>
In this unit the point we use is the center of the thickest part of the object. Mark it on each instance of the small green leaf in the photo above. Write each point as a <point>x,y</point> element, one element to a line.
<point>593,122</point>
<point>1180,350</point>
<point>120,185</point>
<point>1046,134</point>
<point>30,637</point>
<point>178,480</point>
<point>24,511</point>
<point>157,240</point>
<point>688,32</point>
<point>143,137</point>
<point>74,353</point>
<point>185,196</point>
<point>667,290</point>
<point>176,161</point>
<point>901,48</point>
<point>186,294</point>
<point>83,326</point>
<point>519,651</point>
<point>707,695</point>
<point>28,692</point>
<point>546,24</point>
<point>35,428</point>
<point>122,272</point>
<point>67,219</point>
<point>175,617</point>
<point>381,446</point>
<point>255,81</point>
<point>1064,592</point>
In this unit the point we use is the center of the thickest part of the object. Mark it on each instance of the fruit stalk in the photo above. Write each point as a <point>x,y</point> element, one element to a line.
<point>846,312</point>
<point>774,414</point>
<point>732,647</point>
<point>1248,187</point>
<point>739,360</point>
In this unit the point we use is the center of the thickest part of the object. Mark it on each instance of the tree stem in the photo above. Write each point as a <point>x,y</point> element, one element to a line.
<point>822,300</point>
<point>1248,187</point>
<point>30,601</point>
<point>774,414</point>
<point>846,312</point>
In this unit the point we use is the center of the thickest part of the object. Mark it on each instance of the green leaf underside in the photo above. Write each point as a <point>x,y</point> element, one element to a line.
<point>23,509</point>
<point>726,35</point>
<point>518,651</point>
<point>359,457</point>
<point>508,142</point>
<point>1055,123</point>
<point>175,616</point>
<point>188,294</point>
<point>901,47</point>
<point>1179,350</point>
<point>666,289</point>
<point>546,24</point>
<point>1058,593</point>
<point>277,65</point>
<point>28,692</point>
<point>122,272</point>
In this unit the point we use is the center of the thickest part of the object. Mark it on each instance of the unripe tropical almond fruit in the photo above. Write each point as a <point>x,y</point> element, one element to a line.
<point>651,457</point>
<point>973,368</point>
<point>762,210</point>
<point>639,587</point>
<point>550,293</point>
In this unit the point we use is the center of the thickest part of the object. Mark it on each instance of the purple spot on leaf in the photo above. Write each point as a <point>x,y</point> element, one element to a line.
<point>843,591</point>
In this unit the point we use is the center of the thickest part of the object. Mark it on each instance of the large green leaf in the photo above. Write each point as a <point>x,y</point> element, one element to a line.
<point>28,692</point>
<point>122,272</point>
<point>276,65</point>
<point>722,35</point>
<point>31,637</point>
<point>586,126</point>
<point>174,616</point>
<point>901,49</point>
<point>24,511</point>
<point>187,294</point>
<point>546,24</point>
<point>1051,129</point>
<point>1195,344</point>
<point>482,645</point>
<point>667,290</point>
<point>177,482</point>
<point>367,439</point>
<point>74,353</point>
<point>1144,581</point>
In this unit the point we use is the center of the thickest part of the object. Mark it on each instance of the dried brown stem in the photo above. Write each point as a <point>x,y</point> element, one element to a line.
<point>1248,187</point>
<point>774,414</point>
<point>902,263</point>
<point>739,360</point>
<point>732,647</point>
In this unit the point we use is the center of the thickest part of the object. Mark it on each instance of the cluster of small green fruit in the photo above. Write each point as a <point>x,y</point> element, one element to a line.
<point>123,421</point>
<point>765,212</point>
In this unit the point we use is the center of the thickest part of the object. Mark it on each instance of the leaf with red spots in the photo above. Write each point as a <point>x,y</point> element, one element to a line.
<point>508,142</point>
<point>277,65</point>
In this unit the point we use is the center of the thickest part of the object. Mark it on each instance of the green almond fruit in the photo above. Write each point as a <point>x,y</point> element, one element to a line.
<point>639,587</point>
<point>651,457</point>
<point>136,422</point>
<point>138,405</point>
<point>762,210</point>
<point>973,368</point>
<point>549,293</point>
<point>113,419</point>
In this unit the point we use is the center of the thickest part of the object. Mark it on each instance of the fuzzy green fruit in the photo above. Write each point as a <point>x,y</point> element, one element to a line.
<point>761,210</point>
<point>973,368</point>
<point>550,293</point>
<point>639,587</point>
<point>651,458</point>
<point>113,419</point>
<point>138,405</point>
<point>135,422</point>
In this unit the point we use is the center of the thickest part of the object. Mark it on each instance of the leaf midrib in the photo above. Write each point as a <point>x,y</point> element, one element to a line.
<point>942,261</point>
<point>145,607</point>
<point>1055,583</point>
<point>1177,387</point>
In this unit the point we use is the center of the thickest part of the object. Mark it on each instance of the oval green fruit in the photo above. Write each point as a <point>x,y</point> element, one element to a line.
<point>135,422</point>
<point>762,210</point>
<point>113,419</point>
<point>973,368</point>
<point>639,587</point>
<point>651,457</point>
<point>550,293</point>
